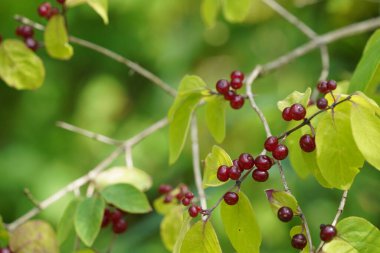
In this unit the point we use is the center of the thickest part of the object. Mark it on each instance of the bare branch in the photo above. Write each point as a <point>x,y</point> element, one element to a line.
<point>340,208</point>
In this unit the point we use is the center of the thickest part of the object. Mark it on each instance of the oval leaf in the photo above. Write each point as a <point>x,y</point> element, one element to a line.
<point>20,67</point>
<point>209,11</point>
<point>127,198</point>
<point>66,223</point>
<point>278,199</point>
<point>216,117</point>
<point>171,227</point>
<point>293,98</point>
<point>241,225</point>
<point>216,158</point>
<point>100,7</point>
<point>236,11</point>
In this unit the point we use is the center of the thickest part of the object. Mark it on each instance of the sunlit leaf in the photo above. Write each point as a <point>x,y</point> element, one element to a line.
<point>100,7</point>
<point>209,11</point>
<point>185,226</point>
<point>164,208</point>
<point>4,235</point>
<point>216,117</point>
<point>216,158</point>
<point>85,251</point>
<point>171,226</point>
<point>66,223</point>
<point>236,11</point>
<point>72,3</point>
<point>293,98</point>
<point>278,199</point>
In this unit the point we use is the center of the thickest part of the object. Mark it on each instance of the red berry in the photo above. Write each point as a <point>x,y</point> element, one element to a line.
<point>120,226</point>
<point>186,201</point>
<point>237,102</point>
<point>179,196</point>
<point>260,175</point>
<point>223,173</point>
<point>271,143</point>
<point>285,214</point>
<point>106,218</point>
<point>229,95</point>
<point>189,195</point>
<point>183,188</point>
<point>25,31</point>
<point>199,208</point>
<point>307,143</point>
<point>328,232</point>
<point>234,173</point>
<point>53,11</point>
<point>331,85</point>
<point>297,111</point>
<point>231,198</point>
<point>44,9</point>
<point>31,43</point>
<point>237,74</point>
<point>116,216</point>
<point>263,162</point>
<point>322,103</point>
<point>193,211</point>
<point>222,86</point>
<point>246,161</point>
<point>286,114</point>
<point>164,188</point>
<point>236,83</point>
<point>61,1</point>
<point>280,152</point>
<point>168,198</point>
<point>322,87</point>
<point>299,241</point>
<point>236,164</point>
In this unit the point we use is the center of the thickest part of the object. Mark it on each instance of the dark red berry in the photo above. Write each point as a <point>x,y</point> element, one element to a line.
<point>286,114</point>
<point>199,208</point>
<point>116,216</point>
<point>280,152</point>
<point>25,31</point>
<point>299,241</point>
<point>222,86</point>
<point>231,198</point>
<point>263,162</point>
<point>53,11</point>
<point>186,201</point>
<point>307,143</point>
<point>235,162</point>
<point>285,214</point>
<point>322,103</point>
<point>106,218</point>
<point>164,188</point>
<point>236,83</point>
<point>168,198</point>
<point>331,85</point>
<point>237,74</point>
<point>322,87</point>
<point>193,211</point>
<point>260,175</point>
<point>271,143</point>
<point>246,161</point>
<point>189,195</point>
<point>234,173</point>
<point>328,232</point>
<point>237,102</point>
<point>179,196</point>
<point>31,43</point>
<point>120,226</point>
<point>297,111</point>
<point>223,173</point>
<point>44,9</point>
<point>61,1</point>
<point>229,95</point>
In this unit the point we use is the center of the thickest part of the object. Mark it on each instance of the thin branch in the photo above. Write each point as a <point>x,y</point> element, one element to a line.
<point>32,199</point>
<point>128,157</point>
<point>110,54</point>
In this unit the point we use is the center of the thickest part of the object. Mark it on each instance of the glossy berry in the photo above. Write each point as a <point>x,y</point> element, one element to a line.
<point>237,74</point>
<point>61,1</point>
<point>299,241</point>
<point>31,43</point>
<point>236,83</point>
<point>25,31</point>
<point>120,226</point>
<point>231,198</point>
<point>263,162</point>
<point>189,195</point>
<point>234,173</point>
<point>322,87</point>
<point>271,143</point>
<point>285,214</point>
<point>223,173</point>
<point>331,85</point>
<point>193,211</point>
<point>164,188</point>
<point>246,161</point>
<point>286,114</point>
<point>307,143</point>
<point>222,86</point>
<point>106,218</point>
<point>179,196</point>
<point>237,102</point>
<point>322,103</point>
<point>260,175</point>
<point>116,216</point>
<point>186,201</point>
<point>229,95</point>
<point>328,232</point>
<point>235,162</point>
<point>297,111</point>
<point>5,250</point>
<point>168,198</point>
<point>53,11</point>
<point>280,152</point>
<point>44,9</point>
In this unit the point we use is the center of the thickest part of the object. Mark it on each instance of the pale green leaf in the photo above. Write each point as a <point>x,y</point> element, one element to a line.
<point>201,238</point>
<point>299,230</point>
<point>185,226</point>
<point>20,67</point>
<point>171,226</point>
<point>293,98</point>
<point>216,117</point>
<point>127,198</point>
<point>34,236</point>
<point>88,218</point>
<point>100,7</point>
<point>85,251</point>
<point>163,208</point>
<point>209,11</point>
<point>56,39</point>
<point>66,223</point>
<point>4,235</point>
<point>136,177</point>
<point>214,160</point>
<point>73,3</point>
<point>278,199</point>
<point>241,225</point>
<point>236,11</point>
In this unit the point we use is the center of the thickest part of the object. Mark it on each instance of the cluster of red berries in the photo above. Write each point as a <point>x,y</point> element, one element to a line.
<point>5,250</point>
<point>46,10</point>
<point>279,151</point>
<point>116,217</point>
<point>325,87</point>
<point>228,89</point>
<point>294,112</point>
<point>27,33</point>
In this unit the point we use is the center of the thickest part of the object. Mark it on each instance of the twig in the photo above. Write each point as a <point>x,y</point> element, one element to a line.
<point>32,199</point>
<point>128,156</point>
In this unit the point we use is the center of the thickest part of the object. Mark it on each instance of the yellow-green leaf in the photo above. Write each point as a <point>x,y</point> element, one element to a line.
<point>66,223</point>
<point>100,7</point>
<point>164,208</point>
<point>299,230</point>
<point>216,117</point>
<point>4,235</point>
<point>216,158</point>
<point>278,199</point>
<point>85,251</point>
<point>73,3</point>
<point>185,226</point>
<point>236,11</point>
<point>209,11</point>
<point>171,226</point>
<point>293,98</point>
<point>57,40</point>
<point>241,225</point>
<point>20,67</point>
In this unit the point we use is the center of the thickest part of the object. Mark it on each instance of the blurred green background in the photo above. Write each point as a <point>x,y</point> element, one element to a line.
<point>169,38</point>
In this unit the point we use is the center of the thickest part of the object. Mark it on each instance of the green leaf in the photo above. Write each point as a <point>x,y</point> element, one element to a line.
<point>338,157</point>
<point>136,177</point>
<point>73,3</point>
<point>355,235</point>
<point>20,67</point>
<point>4,235</point>
<point>88,218</point>
<point>236,11</point>
<point>216,117</point>
<point>209,11</point>
<point>365,121</point>
<point>241,225</point>
<point>85,251</point>
<point>293,98</point>
<point>299,230</point>
<point>201,238</point>
<point>100,7</point>
<point>214,160</point>
<point>163,208</point>
<point>278,199</point>
<point>185,226</point>
<point>66,223</point>
<point>127,198</point>
<point>57,40</point>
<point>34,236</point>
<point>171,226</point>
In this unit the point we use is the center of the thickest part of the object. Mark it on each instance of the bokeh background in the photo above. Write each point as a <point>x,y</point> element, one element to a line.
<point>169,38</point>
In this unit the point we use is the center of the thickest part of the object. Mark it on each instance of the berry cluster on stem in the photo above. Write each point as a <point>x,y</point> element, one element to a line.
<point>26,32</point>
<point>116,217</point>
<point>46,10</point>
<point>228,89</point>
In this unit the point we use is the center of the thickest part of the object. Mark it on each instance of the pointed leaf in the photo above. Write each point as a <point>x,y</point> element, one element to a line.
<point>209,11</point>
<point>4,235</point>
<point>100,7</point>
<point>171,227</point>
<point>241,225</point>
<point>66,223</point>
<point>236,11</point>
<point>214,160</point>
<point>293,98</point>
<point>278,199</point>
<point>20,67</point>
<point>216,117</point>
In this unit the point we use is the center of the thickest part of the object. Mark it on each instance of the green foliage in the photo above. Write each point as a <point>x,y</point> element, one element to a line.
<point>171,227</point>
<point>163,208</point>
<point>241,225</point>
<point>20,67</point>
<point>34,236</point>
<point>209,11</point>
<point>88,218</point>
<point>293,98</point>
<point>278,199</point>
<point>85,251</point>
<point>299,230</point>
<point>57,40</point>
<point>185,226</point>
<point>216,117</point>
<point>355,235</point>
<point>66,224</point>
<point>4,235</point>
<point>127,198</point>
<point>236,11</point>
<point>99,6</point>
<point>214,160</point>
<point>201,238</point>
